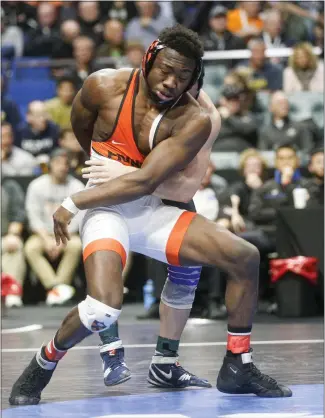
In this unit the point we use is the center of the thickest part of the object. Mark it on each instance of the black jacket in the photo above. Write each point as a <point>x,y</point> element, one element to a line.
<point>237,133</point>
<point>212,42</point>
<point>38,143</point>
<point>267,199</point>
<point>271,136</point>
<point>316,192</point>
<point>229,41</point>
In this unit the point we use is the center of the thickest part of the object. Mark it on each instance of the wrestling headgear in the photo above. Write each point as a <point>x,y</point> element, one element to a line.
<point>150,56</point>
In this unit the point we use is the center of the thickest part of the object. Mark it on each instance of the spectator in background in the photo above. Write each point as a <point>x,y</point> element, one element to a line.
<point>304,14</point>
<point>69,31</point>
<point>234,212</point>
<point>261,74</point>
<point>59,108</point>
<point>191,14</point>
<point>235,202</point>
<point>44,196</point>
<point>238,128</point>
<point>315,185</point>
<point>244,21</point>
<point>281,129</point>
<point>277,192</point>
<point>90,20</point>
<point>234,78</point>
<point>272,34</point>
<point>36,3</point>
<point>19,13</point>
<point>305,72</point>
<point>12,222</point>
<point>83,53</point>
<point>113,45</point>
<point>39,135</point>
<point>68,11</point>
<point>218,38</point>
<point>134,53</point>
<point>123,11</point>
<point>9,111</point>
<point>12,39</point>
<point>148,25</point>
<point>14,161</point>
<point>75,153</point>
<point>43,37</point>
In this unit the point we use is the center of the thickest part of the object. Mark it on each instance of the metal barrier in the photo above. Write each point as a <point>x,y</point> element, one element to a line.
<point>116,62</point>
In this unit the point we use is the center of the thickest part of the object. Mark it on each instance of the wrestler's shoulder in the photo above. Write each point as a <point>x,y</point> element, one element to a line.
<point>109,79</point>
<point>190,109</point>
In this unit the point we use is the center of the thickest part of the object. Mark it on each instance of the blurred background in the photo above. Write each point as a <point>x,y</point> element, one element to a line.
<point>265,74</point>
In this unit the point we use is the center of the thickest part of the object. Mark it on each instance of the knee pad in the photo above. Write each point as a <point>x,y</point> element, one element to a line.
<point>180,286</point>
<point>95,315</point>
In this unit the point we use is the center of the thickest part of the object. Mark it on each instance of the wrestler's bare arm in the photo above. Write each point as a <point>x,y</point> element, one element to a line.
<point>85,107</point>
<point>170,156</point>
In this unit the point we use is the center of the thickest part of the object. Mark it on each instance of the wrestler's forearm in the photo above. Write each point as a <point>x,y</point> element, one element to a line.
<point>179,187</point>
<point>119,190</point>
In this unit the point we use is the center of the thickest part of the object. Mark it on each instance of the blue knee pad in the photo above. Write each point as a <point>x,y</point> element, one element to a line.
<point>180,286</point>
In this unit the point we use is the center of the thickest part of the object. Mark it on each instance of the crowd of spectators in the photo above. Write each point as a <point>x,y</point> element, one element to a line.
<point>255,98</point>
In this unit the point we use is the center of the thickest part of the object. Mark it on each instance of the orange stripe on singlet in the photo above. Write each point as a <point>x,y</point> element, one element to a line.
<point>176,237</point>
<point>121,145</point>
<point>105,244</point>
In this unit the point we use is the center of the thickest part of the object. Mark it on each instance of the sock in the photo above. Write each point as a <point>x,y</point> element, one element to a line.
<point>167,347</point>
<point>238,340</point>
<point>53,351</point>
<point>110,335</point>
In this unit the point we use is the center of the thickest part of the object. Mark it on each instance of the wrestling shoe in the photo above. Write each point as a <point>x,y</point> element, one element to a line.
<point>239,375</point>
<point>28,388</point>
<point>114,367</point>
<point>166,372</point>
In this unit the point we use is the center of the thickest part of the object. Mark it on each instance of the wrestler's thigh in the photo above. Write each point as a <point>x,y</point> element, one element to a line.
<point>206,243</point>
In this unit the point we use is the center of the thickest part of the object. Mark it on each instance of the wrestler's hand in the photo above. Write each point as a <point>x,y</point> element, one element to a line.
<point>61,218</point>
<point>98,172</point>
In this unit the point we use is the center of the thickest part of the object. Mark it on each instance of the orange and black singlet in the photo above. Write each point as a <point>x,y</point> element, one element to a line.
<point>121,145</point>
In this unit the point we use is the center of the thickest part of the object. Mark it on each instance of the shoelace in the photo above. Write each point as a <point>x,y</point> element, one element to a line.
<point>257,373</point>
<point>114,361</point>
<point>179,367</point>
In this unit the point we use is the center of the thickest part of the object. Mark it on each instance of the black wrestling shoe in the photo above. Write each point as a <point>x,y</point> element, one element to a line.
<point>238,375</point>
<point>166,372</point>
<point>28,388</point>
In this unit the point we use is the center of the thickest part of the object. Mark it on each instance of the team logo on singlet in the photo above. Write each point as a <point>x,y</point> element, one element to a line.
<point>124,159</point>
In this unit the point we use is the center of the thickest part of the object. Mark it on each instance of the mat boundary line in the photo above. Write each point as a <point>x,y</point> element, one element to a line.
<point>201,344</point>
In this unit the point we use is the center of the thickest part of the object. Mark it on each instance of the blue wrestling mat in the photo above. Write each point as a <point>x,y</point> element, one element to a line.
<point>307,402</point>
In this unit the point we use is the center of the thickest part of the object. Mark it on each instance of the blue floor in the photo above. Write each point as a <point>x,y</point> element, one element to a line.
<point>307,401</point>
